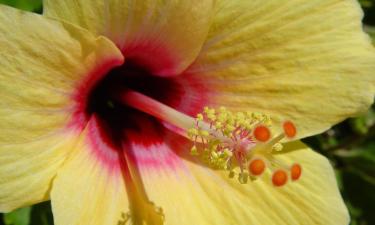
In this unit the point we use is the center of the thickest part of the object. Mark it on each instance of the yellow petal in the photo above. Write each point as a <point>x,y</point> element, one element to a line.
<point>27,169</point>
<point>87,192</point>
<point>305,61</point>
<point>193,194</point>
<point>164,36</point>
<point>41,63</point>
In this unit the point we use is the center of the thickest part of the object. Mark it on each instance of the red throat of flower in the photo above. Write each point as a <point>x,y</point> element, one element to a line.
<point>110,122</point>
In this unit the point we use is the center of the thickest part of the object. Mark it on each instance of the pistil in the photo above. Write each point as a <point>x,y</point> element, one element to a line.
<point>225,140</point>
<point>159,110</point>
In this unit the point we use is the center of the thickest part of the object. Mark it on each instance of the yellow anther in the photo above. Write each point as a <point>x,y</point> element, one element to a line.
<point>240,120</point>
<point>211,116</point>
<point>222,117</point>
<point>222,155</point>
<point>227,153</point>
<point>240,116</point>
<point>212,147</point>
<point>194,151</point>
<point>218,125</point>
<point>192,132</point>
<point>277,147</point>
<point>230,128</point>
<point>267,120</point>
<point>257,116</point>
<point>246,124</point>
<point>204,133</point>
<point>214,155</point>
<point>243,178</point>
<point>199,117</point>
<point>238,132</point>
<point>230,119</point>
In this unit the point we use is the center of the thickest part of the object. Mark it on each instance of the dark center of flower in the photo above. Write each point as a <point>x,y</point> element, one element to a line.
<point>116,118</point>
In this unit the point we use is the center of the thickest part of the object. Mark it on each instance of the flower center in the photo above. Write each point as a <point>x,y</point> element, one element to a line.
<point>115,118</point>
<point>114,128</point>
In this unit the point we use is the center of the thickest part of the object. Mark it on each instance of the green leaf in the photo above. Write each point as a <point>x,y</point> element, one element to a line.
<point>41,214</point>
<point>359,196</point>
<point>366,3</point>
<point>28,5</point>
<point>371,31</point>
<point>360,161</point>
<point>362,124</point>
<point>18,217</point>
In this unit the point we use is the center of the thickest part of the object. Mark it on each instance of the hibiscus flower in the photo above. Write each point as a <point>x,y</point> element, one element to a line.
<point>95,96</point>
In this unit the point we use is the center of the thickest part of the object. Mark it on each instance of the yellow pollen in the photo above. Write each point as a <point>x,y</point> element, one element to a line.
<point>277,147</point>
<point>194,150</point>
<point>199,117</point>
<point>241,142</point>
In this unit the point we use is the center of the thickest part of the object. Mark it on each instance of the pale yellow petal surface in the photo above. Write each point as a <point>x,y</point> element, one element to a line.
<point>27,169</point>
<point>41,62</point>
<point>165,36</point>
<point>192,194</point>
<point>305,61</point>
<point>86,192</point>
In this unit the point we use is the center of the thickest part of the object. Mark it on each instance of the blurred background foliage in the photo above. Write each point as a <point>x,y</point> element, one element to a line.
<point>28,5</point>
<point>349,145</point>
